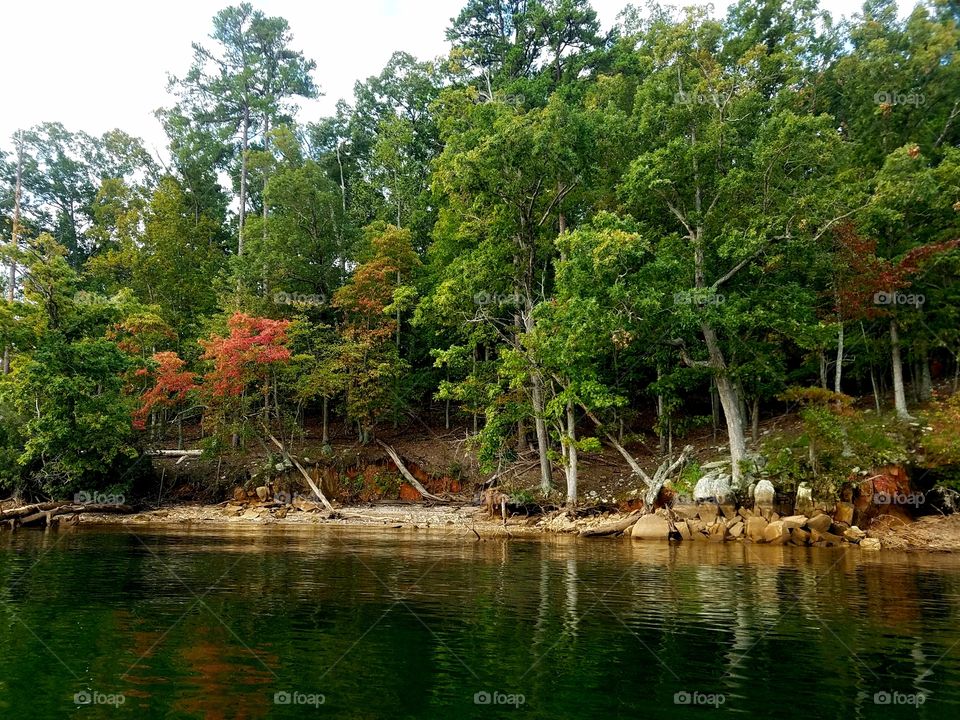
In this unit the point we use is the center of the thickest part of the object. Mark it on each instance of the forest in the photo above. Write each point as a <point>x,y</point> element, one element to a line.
<point>556,238</point>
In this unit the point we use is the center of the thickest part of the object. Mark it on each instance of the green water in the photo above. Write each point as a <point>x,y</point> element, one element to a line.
<point>391,624</point>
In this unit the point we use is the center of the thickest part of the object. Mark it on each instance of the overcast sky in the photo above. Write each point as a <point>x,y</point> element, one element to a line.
<point>100,64</point>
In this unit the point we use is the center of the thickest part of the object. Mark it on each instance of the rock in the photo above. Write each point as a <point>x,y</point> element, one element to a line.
<point>844,513</point>
<point>707,512</point>
<point>729,510</point>
<point>685,510</point>
<point>745,513</point>
<point>795,521</point>
<point>799,536</point>
<point>696,529</point>
<point>651,527</point>
<point>684,530</point>
<point>825,539</point>
<point>733,521</point>
<point>755,527</point>
<point>263,493</point>
<point>737,530</point>
<point>239,494</point>
<point>804,502</point>
<point>718,531</point>
<point>763,494</point>
<point>854,534</point>
<point>819,523</point>
<point>713,486</point>
<point>775,533</point>
<point>870,544</point>
<point>715,465</point>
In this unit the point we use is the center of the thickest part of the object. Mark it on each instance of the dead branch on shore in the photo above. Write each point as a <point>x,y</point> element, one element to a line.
<point>408,476</point>
<point>313,486</point>
<point>30,514</point>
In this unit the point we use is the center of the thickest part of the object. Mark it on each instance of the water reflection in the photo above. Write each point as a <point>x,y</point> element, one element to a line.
<point>416,624</point>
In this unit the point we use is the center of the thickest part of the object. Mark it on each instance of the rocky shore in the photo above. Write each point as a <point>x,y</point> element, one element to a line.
<point>703,522</point>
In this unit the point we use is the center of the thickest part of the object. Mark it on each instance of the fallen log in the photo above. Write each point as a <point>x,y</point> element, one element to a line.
<point>313,486</point>
<point>175,453</point>
<point>23,510</point>
<point>408,476</point>
<point>49,513</point>
<point>612,528</point>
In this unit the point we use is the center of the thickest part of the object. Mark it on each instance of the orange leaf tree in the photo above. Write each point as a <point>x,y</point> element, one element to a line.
<point>243,360</point>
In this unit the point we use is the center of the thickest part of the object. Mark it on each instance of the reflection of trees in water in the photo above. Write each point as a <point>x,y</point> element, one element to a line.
<point>429,611</point>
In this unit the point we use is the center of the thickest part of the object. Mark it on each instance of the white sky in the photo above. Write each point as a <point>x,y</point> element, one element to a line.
<point>95,65</point>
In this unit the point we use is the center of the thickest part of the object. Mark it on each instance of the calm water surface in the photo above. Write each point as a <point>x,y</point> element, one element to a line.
<point>323,622</point>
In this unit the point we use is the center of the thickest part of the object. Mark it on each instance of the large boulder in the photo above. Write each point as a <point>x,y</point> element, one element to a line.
<point>714,487</point>
<point>764,494</point>
<point>804,501</point>
<point>755,527</point>
<point>651,527</point>
<point>776,533</point>
<point>820,523</point>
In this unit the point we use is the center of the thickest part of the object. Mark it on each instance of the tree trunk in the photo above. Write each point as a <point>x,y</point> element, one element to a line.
<point>899,395</point>
<point>839,370</point>
<point>536,384</point>
<point>926,382</point>
<point>326,421</point>
<point>755,420</point>
<point>730,402</point>
<point>266,171</point>
<point>244,145</point>
<point>14,241</point>
<point>823,368</point>
<point>571,456</point>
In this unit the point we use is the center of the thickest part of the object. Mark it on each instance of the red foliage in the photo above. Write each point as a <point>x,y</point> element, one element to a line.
<point>172,383</point>
<point>253,345</point>
<point>862,274</point>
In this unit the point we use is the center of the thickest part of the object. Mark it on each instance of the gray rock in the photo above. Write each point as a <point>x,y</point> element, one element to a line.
<point>712,486</point>
<point>804,503</point>
<point>763,494</point>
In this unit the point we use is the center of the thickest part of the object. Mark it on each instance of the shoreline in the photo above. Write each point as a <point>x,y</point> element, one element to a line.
<point>930,534</point>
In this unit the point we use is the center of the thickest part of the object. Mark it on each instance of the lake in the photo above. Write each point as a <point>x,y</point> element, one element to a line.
<point>264,622</point>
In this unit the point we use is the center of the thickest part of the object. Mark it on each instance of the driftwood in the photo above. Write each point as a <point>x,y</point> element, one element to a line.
<point>29,514</point>
<point>612,528</point>
<point>175,453</point>
<point>313,486</point>
<point>408,476</point>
